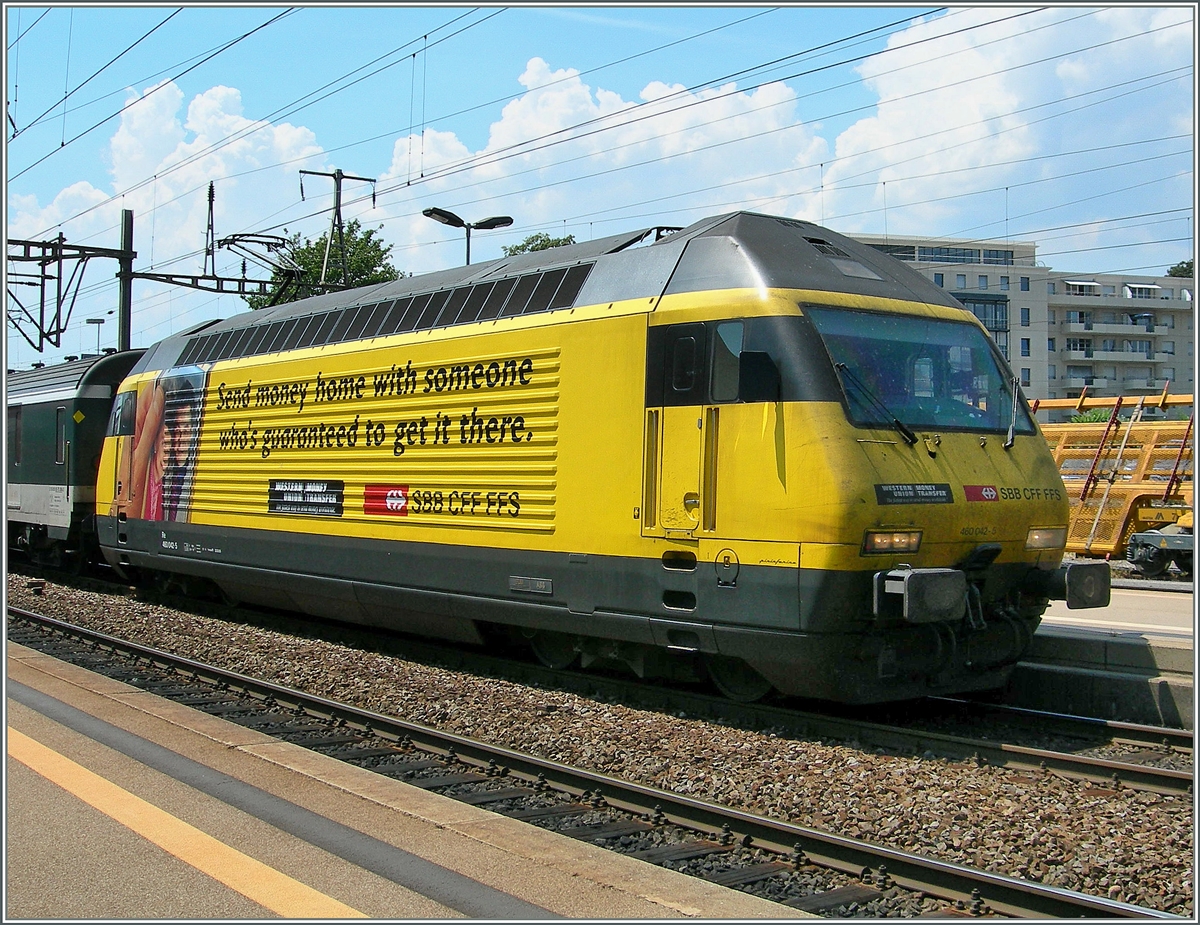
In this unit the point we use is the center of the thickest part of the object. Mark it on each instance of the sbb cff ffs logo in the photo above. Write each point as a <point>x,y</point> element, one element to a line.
<point>386,499</point>
<point>981,492</point>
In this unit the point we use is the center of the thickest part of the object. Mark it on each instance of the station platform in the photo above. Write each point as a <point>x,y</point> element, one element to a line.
<point>122,805</point>
<point>1133,662</point>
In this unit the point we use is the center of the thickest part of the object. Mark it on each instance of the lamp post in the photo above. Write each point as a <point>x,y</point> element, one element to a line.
<point>449,218</point>
<point>97,322</point>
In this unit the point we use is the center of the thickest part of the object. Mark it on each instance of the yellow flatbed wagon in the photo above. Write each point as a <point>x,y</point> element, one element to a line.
<point>1126,478</point>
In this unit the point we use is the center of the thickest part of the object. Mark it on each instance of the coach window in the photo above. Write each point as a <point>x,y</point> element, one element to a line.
<point>60,436</point>
<point>14,435</point>
<point>727,347</point>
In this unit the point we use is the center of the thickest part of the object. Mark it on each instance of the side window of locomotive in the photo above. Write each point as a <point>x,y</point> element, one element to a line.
<point>60,436</point>
<point>122,421</point>
<point>727,347</point>
<point>683,364</point>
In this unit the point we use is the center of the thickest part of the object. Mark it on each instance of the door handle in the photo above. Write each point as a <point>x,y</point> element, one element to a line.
<point>691,500</point>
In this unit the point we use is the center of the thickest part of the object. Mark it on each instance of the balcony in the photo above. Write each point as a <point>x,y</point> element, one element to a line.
<point>1117,329</point>
<point>1078,382</point>
<point>1120,356</point>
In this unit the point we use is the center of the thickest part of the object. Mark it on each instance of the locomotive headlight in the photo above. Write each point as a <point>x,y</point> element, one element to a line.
<point>891,541</point>
<point>1046,538</point>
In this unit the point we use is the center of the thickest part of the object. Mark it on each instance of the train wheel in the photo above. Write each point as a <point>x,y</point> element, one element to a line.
<point>1152,561</point>
<point>1183,562</point>
<point>735,679</point>
<point>554,650</point>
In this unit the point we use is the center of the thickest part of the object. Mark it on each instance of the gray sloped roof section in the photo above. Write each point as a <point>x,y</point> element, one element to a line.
<point>72,379</point>
<point>733,251</point>
<point>746,249</point>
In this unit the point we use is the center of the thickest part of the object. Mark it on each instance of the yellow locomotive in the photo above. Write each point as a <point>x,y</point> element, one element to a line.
<point>750,447</point>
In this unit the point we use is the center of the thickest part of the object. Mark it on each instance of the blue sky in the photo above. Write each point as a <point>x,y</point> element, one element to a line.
<point>1068,126</point>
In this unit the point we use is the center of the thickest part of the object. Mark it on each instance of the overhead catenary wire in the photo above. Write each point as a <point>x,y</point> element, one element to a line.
<point>154,90</point>
<point>891,180</point>
<point>15,42</point>
<point>98,72</point>
<point>283,112</point>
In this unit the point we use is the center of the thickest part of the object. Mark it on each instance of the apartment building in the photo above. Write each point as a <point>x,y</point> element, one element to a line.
<point>1114,334</point>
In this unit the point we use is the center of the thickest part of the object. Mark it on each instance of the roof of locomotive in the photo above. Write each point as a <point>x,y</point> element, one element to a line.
<point>733,251</point>
<point>88,377</point>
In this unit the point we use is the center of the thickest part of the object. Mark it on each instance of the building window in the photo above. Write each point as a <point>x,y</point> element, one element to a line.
<point>982,281</point>
<point>1168,346</point>
<point>1168,372</point>
<point>1051,372</point>
<point>939,279</point>
<point>1024,283</point>
<point>1050,316</point>
<point>1108,345</point>
<point>899,251</point>
<point>1024,317</point>
<point>1024,346</point>
<point>1109,291</point>
<point>994,315</point>
<point>1025,373</point>
<point>1050,290</point>
<point>1139,346</point>
<point>1080,345</point>
<point>1140,292</point>
<point>948,254</point>
<point>1001,258</point>
<point>1004,284</point>
<point>960,280</point>
<point>1166,294</point>
<point>1050,345</point>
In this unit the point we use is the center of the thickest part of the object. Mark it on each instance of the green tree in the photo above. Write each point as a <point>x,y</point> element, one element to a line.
<point>1183,268</point>
<point>1092,416</point>
<point>536,242</point>
<point>368,261</point>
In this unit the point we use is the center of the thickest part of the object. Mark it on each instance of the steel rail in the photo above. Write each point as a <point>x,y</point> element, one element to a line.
<point>1003,894</point>
<point>1107,772</point>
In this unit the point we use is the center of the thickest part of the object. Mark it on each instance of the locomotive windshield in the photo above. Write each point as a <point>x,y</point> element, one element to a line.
<point>906,371</point>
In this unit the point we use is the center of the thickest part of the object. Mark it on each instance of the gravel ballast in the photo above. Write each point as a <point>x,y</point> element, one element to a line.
<point>1132,846</point>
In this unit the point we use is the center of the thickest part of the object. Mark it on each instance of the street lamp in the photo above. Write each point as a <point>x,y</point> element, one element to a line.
<point>449,218</point>
<point>97,322</point>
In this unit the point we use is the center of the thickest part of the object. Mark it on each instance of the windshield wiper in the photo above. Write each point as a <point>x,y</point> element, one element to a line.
<point>1012,424</point>
<point>905,431</point>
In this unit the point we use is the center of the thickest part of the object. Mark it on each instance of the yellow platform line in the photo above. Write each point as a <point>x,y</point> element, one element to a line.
<point>253,879</point>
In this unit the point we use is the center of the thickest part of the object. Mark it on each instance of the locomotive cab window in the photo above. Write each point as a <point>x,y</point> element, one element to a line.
<point>727,349</point>
<point>922,372</point>
<point>122,421</point>
<point>686,380</point>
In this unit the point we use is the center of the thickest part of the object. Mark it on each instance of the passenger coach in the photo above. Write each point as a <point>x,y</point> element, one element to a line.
<point>751,445</point>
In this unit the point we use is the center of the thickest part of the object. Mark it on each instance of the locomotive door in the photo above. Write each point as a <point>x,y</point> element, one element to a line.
<point>121,428</point>
<point>681,432</point>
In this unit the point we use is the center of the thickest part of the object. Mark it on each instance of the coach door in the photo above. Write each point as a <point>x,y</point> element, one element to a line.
<point>677,496</point>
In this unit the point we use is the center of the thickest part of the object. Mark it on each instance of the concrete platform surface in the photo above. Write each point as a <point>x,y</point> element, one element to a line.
<point>127,806</point>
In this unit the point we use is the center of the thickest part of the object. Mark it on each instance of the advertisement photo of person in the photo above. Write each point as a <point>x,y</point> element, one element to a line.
<point>166,436</point>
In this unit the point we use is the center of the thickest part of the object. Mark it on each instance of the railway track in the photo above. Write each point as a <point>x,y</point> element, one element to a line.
<point>805,868</point>
<point>1108,754</point>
